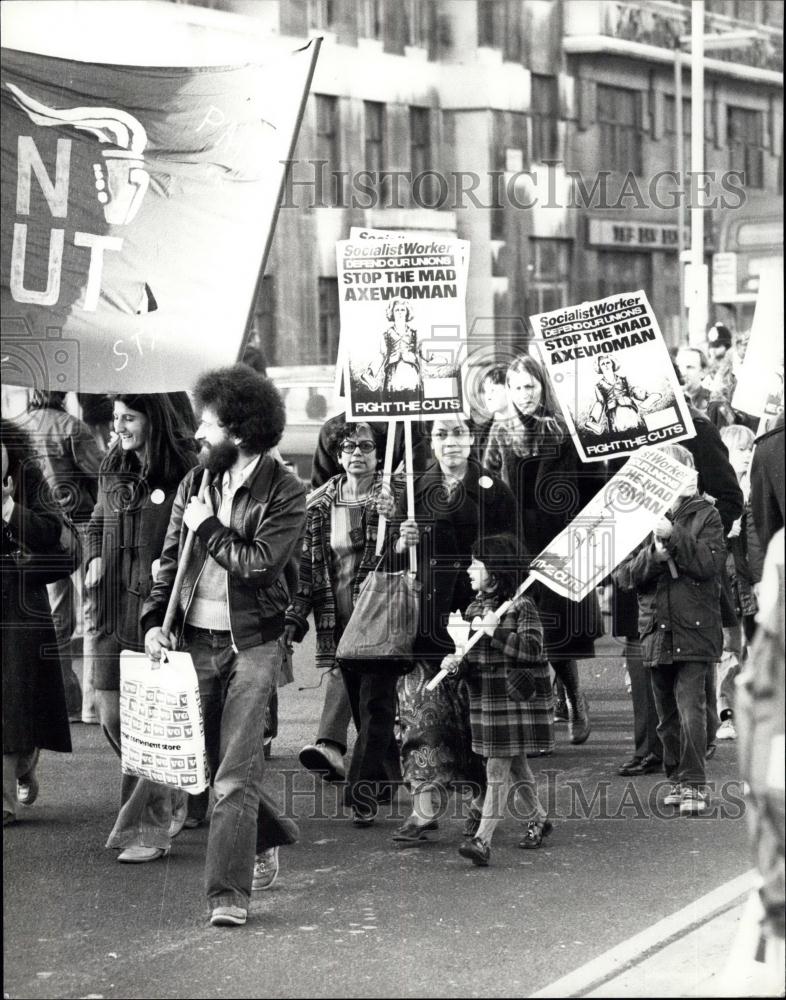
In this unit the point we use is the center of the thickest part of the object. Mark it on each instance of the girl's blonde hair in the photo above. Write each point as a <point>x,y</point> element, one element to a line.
<point>738,437</point>
<point>678,454</point>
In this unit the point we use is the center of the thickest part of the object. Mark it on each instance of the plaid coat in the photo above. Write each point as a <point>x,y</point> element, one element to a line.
<point>315,590</point>
<point>502,727</point>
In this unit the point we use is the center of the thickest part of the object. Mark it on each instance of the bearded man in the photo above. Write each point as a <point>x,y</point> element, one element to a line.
<point>231,609</point>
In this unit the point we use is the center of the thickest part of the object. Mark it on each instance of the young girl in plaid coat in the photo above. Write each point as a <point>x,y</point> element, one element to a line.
<point>510,696</point>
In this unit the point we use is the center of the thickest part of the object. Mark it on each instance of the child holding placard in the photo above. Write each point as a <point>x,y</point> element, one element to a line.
<point>676,574</point>
<point>510,696</point>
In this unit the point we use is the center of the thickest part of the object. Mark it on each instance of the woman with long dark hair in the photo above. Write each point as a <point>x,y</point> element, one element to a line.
<point>533,453</point>
<point>35,717</point>
<point>153,450</point>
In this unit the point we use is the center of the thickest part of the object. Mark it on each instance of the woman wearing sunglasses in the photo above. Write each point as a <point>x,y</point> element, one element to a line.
<point>339,550</point>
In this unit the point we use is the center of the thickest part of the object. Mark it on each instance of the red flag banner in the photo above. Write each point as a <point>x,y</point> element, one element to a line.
<point>137,206</point>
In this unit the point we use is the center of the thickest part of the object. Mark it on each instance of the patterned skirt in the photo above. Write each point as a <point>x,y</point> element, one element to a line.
<point>435,733</point>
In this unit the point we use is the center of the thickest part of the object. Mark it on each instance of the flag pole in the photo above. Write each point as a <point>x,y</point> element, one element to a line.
<point>317,43</point>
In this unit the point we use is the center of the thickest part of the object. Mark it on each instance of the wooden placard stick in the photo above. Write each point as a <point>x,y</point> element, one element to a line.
<point>477,636</point>
<point>409,468</point>
<point>387,471</point>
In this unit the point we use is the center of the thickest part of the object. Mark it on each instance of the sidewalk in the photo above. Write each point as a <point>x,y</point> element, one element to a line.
<point>710,945</point>
<point>716,932</point>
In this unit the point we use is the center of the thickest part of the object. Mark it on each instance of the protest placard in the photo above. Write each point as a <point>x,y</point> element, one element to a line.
<point>596,541</point>
<point>613,376</point>
<point>359,234</point>
<point>403,326</point>
<point>759,389</point>
<point>612,524</point>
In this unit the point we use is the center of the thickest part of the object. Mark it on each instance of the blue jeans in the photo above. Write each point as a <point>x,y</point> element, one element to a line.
<point>234,688</point>
<point>681,700</point>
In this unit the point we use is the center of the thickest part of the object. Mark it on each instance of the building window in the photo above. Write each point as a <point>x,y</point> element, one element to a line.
<point>419,140</point>
<point>498,27</point>
<point>549,269</point>
<point>263,322</point>
<point>487,34</point>
<point>545,112</point>
<point>327,148</point>
<point>322,14</point>
<point>328,321</point>
<point>619,117</point>
<point>773,14</point>
<point>624,271</point>
<point>745,136</point>
<point>370,22</point>
<point>374,114</point>
<point>416,14</point>
<point>510,156</point>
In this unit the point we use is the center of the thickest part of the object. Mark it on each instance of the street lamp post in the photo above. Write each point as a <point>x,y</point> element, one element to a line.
<point>697,312</point>
<point>678,125</point>
<point>696,296</point>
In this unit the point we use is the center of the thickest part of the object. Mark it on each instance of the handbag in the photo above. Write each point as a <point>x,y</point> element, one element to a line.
<point>384,621</point>
<point>162,736</point>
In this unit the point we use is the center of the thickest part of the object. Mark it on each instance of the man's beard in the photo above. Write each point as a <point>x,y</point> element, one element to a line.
<point>219,458</point>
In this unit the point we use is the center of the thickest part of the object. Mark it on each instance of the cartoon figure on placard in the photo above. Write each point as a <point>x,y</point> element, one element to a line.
<point>399,368</point>
<point>617,401</point>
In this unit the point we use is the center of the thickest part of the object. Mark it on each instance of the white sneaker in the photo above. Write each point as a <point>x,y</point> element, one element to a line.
<point>228,916</point>
<point>674,795</point>
<point>693,802</point>
<point>726,731</point>
<point>265,869</point>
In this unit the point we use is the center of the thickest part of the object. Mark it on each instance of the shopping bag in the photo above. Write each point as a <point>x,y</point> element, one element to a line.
<point>162,736</point>
<point>384,621</point>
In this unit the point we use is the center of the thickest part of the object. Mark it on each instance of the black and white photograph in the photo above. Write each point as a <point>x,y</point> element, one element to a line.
<point>393,499</point>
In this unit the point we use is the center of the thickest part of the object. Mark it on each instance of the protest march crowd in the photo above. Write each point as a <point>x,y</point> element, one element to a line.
<point>190,533</point>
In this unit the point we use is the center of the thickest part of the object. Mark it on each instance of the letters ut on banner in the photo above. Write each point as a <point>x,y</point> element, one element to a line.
<point>136,207</point>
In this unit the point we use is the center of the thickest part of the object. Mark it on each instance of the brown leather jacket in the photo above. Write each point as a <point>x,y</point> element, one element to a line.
<point>259,550</point>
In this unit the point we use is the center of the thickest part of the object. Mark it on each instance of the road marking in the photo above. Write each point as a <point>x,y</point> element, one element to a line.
<point>633,951</point>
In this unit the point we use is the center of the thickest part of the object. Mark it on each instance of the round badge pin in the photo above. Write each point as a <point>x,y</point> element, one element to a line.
<point>486,482</point>
<point>157,496</point>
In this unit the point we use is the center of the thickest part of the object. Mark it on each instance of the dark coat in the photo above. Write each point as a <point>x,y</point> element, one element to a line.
<point>680,619</point>
<point>127,530</point>
<point>257,549</point>
<point>767,484</point>
<point>718,479</point>
<point>315,592</point>
<point>69,456</point>
<point>481,505</point>
<point>550,488</point>
<point>34,706</point>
